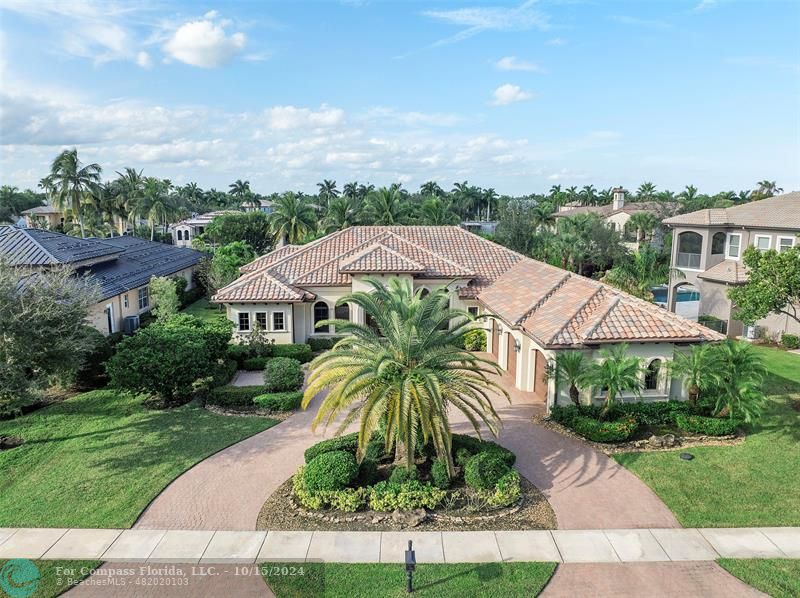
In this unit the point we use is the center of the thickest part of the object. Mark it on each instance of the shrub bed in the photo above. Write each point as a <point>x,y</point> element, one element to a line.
<point>330,471</point>
<point>282,374</point>
<point>505,492</point>
<point>280,401</point>
<point>323,343</point>
<point>790,341</point>
<point>349,443</point>
<point>411,494</point>
<point>711,426</point>
<point>253,364</point>
<point>235,396</point>
<point>604,431</point>
<point>475,340</point>
<point>301,353</point>
<point>470,445</point>
<point>484,470</point>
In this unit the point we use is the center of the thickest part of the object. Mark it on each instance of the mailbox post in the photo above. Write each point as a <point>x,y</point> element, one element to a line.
<point>411,565</point>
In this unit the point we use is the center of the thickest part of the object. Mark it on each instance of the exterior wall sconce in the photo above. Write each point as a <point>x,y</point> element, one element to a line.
<point>517,346</point>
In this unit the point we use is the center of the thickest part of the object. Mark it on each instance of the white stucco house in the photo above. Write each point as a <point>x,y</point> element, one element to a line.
<point>534,310</point>
<point>185,231</point>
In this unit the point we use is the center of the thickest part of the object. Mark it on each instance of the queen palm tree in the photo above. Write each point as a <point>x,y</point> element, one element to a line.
<point>698,368</point>
<point>70,182</point>
<point>341,214</point>
<point>643,224</point>
<point>740,382</point>
<point>615,373</point>
<point>240,189</point>
<point>364,190</point>
<point>689,194</point>
<point>570,368</point>
<point>646,191</point>
<point>128,195</point>
<point>292,219</point>
<point>405,372</point>
<point>768,189</point>
<point>639,273</point>
<point>437,212</point>
<point>386,206</point>
<point>490,196</point>
<point>588,195</point>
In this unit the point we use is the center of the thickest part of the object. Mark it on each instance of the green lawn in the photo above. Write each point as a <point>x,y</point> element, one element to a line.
<point>337,580</point>
<point>752,484</point>
<point>98,459</point>
<point>780,578</point>
<point>205,310</point>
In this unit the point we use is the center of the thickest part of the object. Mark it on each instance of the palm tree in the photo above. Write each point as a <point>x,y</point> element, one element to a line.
<point>689,194</point>
<point>639,273</point>
<point>570,368</point>
<point>542,216</point>
<point>698,368</point>
<point>490,196</point>
<point>741,378</point>
<point>743,196</point>
<point>768,189</point>
<point>615,373</point>
<point>588,195</point>
<point>128,195</point>
<point>436,212</point>
<point>292,219</point>
<point>431,189</point>
<point>70,182</point>
<point>386,206</point>
<point>240,189</point>
<point>340,215</point>
<point>364,190</point>
<point>404,372</point>
<point>643,224</point>
<point>646,191</point>
<point>350,190</point>
<point>327,190</point>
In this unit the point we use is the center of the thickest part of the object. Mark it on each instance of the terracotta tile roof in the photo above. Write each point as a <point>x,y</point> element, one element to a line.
<point>379,258</point>
<point>253,287</point>
<point>270,258</point>
<point>563,310</point>
<point>728,271</point>
<point>779,212</point>
<point>629,207</point>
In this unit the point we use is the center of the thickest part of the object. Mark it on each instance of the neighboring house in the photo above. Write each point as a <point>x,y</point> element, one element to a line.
<point>258,205</point>
<point>707,247</point>
<point>618,212</point>
<point>185,231</point>
<point>121,267</point>
<point>487,227</point>
<point>538,309</point>
<point>49,216</point>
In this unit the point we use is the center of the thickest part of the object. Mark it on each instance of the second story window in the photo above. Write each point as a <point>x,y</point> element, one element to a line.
<point>718,244</point>
<point>785,243</point>
<point>144,298</point>
<point>690,246</point>
<point>734,246</point>
<point>762,242</point>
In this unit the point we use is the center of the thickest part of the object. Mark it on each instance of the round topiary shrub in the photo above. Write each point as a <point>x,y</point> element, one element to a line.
<point>484,470</point>
<point>330,471</point>
<point>402,474</point>
<point>439,475</point>
<point>282,374</point>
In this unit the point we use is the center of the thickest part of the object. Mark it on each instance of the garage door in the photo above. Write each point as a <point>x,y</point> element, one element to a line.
<point>512,356</point>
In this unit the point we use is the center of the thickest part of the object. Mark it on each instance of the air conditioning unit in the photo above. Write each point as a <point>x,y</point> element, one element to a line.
<point>130,324</point>
<point>751,332</point>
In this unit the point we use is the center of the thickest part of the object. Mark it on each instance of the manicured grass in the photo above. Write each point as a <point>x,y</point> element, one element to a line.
<point>752,484</point>
<point>205,311</point>
<point>338,580</point>
<point>58,577</point>
<point>98,459</point>
<point>780,578</point>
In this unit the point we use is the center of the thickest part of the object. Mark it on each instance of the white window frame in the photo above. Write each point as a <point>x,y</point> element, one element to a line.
<point>767,237</point>
<point>477,310</point>
<point>239,321</point>
<point>780,247</point>
<point>266,319</point>
<point>728,246</point>
<point>272,321</point>
<point>125,302</point>
<point>143,293</point>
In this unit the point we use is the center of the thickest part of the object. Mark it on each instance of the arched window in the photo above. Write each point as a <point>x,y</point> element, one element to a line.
<point>321,313</point>
<point>718,244</point>
<point>424,293</point>
<point>690,246</point>
<point>651,375</point>
<point>342,312</point>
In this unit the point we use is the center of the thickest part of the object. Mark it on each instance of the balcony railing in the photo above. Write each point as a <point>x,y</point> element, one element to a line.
<point>689,260</point>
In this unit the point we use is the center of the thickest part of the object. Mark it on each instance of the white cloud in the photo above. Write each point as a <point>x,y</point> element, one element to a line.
<point>476,20</point>
<point>143,60</point>
<point>639,22</point>
<point>205,43</point>
<point>556,41</point>
<point>512,63</point>
<point>704,5</point>
<point>508,94</point>
<point>283,118</point>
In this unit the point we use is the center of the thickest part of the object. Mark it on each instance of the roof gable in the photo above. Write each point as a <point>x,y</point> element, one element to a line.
<point>779,212</point>
<point>379,258</point>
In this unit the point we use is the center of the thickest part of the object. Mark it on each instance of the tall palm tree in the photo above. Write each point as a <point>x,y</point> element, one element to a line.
<point>292,219</point>
<point>639,273</point>
<point>431,189</point>
<point>340,215</point>
<point>698,368</point>
<point>437,212</point>
<point>743,196</point>
<point>386,206</point>
<point>327,191</point>
<point>70,182</point>
<point>768,189</point>
<point>365,190</point>
<point>490,196</point>
<point>570,368</point>
<point>646,191</point>
<point>350,190</point>
<point>128,196</point>
<point>588,195</point>
<point>615,373</point>
<point>689,194</point>
<point>642,224</point>
<point>542,216</point>
<point>240,189</point>
<point>405,372</point>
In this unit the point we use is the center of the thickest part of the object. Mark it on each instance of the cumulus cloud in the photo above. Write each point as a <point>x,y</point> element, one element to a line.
<point>143,60</point>
<point>512,63</point>
<point>282,118</point>
<point>509,94</point>
<point>204,43</point>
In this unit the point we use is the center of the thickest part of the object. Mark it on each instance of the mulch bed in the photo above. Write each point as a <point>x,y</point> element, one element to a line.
<point>683,440</point>
<point>532,512</point>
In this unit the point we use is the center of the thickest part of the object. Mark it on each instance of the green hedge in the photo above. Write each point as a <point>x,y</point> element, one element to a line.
<point>711,426</point>
<point>280,401</point>
<point>254,364</point>
<point>439,475</point>
<point>330,471</point>
<point>282,374</point>
<point>604,431</point>
<point>505,493</point>
<point>413,494</point>
<point>475,340</point>
<point>348,442</point>
<point>790,341</point>
<point>322,343</point>
<point>239,353</point>
<point>223,373</point>
<point>235,396</point>
<point>473,445</point>
<point>301,353</point>
<point>484,470</point>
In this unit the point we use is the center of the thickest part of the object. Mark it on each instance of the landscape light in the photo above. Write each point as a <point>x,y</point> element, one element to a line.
<point>411,565</point>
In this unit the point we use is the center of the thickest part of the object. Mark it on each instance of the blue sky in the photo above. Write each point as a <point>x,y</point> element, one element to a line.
<point>515,96</point>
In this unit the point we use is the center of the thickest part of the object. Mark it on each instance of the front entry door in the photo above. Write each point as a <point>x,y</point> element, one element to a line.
<point>495,341</point>
<point>511,356</point>
<point>539,381</point>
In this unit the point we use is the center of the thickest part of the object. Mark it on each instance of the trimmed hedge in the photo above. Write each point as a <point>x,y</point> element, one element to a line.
<point>484,470</point>
<point>239,353</point>
<point>413,494</point>
<point>473,445</point>
<point>280,401</point>
<point>605,431</point>
<point>282,374</point>
<point>235,396</point>
<point>475,340</point>
<point>652,414</point>
<point>223,372</point>
<point>330,471</point>
<point>323,343</point>
<point>439,475</point>
<point>254,364</point>
<point>790,341</point>
<point>301,353</point>
<point>505,493</point>
<point>401,475</point>
<point>711,426</point>
<point>348,442</point>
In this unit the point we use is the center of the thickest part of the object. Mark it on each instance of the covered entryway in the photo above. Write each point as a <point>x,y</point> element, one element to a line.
<point>539,382</point>
<point>495,340</point>
<point>511,356</point>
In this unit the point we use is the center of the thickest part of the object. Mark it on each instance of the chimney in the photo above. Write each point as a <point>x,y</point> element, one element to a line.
<point>619,198</point>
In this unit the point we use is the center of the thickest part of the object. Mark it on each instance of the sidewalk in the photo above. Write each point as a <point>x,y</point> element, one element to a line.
<point>562,546</point>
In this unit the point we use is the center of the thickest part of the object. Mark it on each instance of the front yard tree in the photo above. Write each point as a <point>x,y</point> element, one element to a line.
<point>404,370</point>
<point>615,373</point>
<point>42,329</point>
<point>739,392</point>
<point>71,183</point>
<point>698,368</point>
<point>251,228</point>
<point>164,295</point>
<point>569,368</point>
<point>773,285</point>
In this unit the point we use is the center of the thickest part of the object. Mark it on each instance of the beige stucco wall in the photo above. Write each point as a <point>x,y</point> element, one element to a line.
<point>281,337</point>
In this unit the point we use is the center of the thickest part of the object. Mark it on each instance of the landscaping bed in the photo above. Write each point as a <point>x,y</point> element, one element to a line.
<point>333,492</point>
